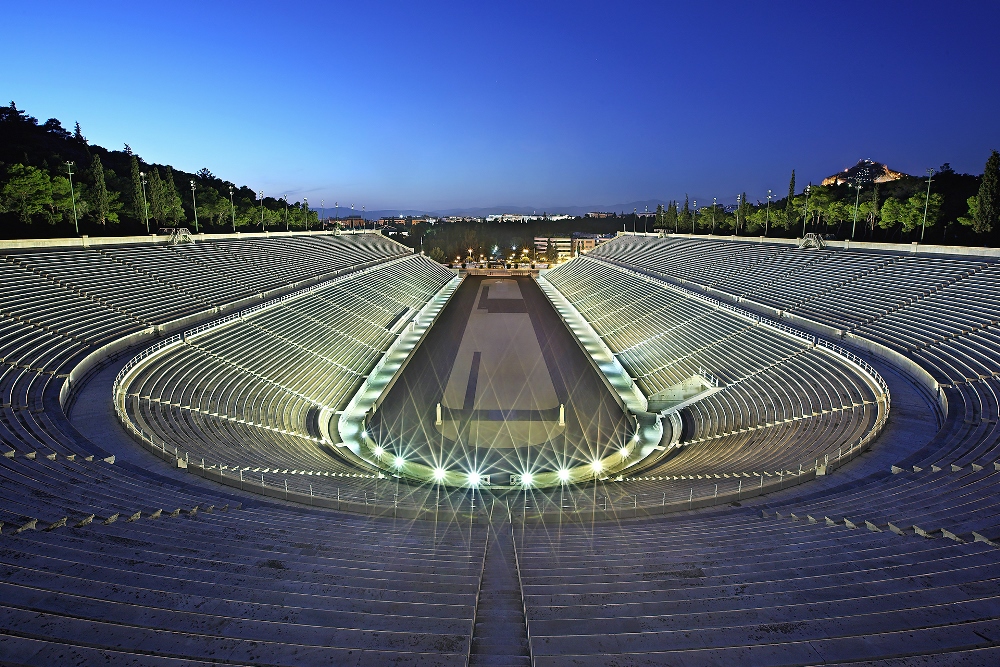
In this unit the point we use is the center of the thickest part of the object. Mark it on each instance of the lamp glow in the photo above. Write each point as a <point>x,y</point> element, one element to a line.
<point>438,474</point>
<point>398,461</point>
<point>378,451</point>
<point>474,478</point>
<point>527,479</point>
<point>563,475</point>
<point>597,466</point>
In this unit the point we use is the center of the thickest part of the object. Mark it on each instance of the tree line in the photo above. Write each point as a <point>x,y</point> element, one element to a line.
<point>951,208</point>
<point>53,182</point>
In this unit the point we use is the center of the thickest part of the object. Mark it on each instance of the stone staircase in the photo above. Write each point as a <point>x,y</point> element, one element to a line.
<point>500,636</point>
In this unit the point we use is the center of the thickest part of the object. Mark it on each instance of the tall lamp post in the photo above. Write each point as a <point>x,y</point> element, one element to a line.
<point>285,198</point>
<point>194,205</point>
<point>145,208</point>
<point>322,205</point>
<point>694,217</point>
<point>805,210</point>
<point>635,215</point>
<point>261,210</point>
<point>232,207</point>
<point>305,210</point>
<point>72,194</point>
<point>767,213</point>
<point>713,215</point>
<point>857,202</point>
<point>927,201</point>
<point>737,214</point>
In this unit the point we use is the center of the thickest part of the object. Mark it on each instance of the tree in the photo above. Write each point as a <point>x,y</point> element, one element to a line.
<point>984,213</point>
<point>104,202</point>
<point>670,217</point>
<point>790,212</point>
<point>157,197</point>
<point>27,191</point>
<point>78,134</point>
<point>437,255</point>
<point>684,218</point>
<point>62,199</point>
<point>173,209</point>
<point>894,212</point>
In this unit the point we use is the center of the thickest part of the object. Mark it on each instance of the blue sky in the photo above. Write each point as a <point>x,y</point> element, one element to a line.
<point>467,104</point>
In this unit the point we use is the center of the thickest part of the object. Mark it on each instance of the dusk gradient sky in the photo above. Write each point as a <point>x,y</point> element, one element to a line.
<point>440,105</point>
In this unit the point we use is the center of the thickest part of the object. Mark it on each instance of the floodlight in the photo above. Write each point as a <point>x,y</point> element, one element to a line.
<point>597,466</point>
<point>527,478</point>
<point>378,450</point>
<point>474,478</point>
<point>438,474</point>
<point>398,461</point>
<point>635,438</point>
<point>563,475</point>
<point>624,452</point>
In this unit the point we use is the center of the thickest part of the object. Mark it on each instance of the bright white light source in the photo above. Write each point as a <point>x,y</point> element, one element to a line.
<point>438,474</point>
<point>563,475</point>
<point>624,452</point>
<point>474,478</point>
<point>527,479</point>
<point>635,438</point>
<point>597,466</point>
<point>398,461</point>
<point>378,451</point>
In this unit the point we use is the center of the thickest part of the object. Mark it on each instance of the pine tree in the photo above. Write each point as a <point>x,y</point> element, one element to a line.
<point>172,200</point>
<point>100,197</point>
<point>157,197</point>
<point>135,205</point>
<point>685,215</point>
<point>77,134</point>
<point>671,217</point>
<point>988,199</point>
<point>790,216</point>
<point>745,210</point>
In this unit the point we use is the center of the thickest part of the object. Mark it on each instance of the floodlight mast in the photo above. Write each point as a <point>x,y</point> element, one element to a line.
<point>145,208</point>
<point>927,201</point>
<point>857,201</point>
<point>767,214</point>
<point>72,194</point>
<point>232,207</point>
<point>194,205</point>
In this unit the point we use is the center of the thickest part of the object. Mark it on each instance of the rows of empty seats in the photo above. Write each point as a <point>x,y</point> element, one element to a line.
<point>939,310</point>
<point>734,588</point>
<point>248,395</point>
<point>783,403</point>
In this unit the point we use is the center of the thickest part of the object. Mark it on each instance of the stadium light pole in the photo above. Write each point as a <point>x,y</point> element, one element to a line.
<point>72,195</point>
<point>322,206</point>
<point>644,219</point>
<point>737,214</point>
<point>694,217</point>
<point>767,213</point>
<point>194,205</point>
<point>261,210</point>
<point>285,197</point>
<point>232,207</point>
<point>145,209</point>
<point>857,202</point>
<point>305,210</point>
<point>805,210</point>
<point>714,206</point>
<point>927,201</point>
<point>635,215</point>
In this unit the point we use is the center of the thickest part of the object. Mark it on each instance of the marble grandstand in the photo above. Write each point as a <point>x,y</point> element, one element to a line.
<point>812,476</point>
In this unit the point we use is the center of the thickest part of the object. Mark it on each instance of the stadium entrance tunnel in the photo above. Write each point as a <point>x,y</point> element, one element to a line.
<point>499,394</point>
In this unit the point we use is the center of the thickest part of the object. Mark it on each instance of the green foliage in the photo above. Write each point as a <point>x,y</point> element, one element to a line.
<point>27,192</point>
<point>104,202</point>
<point>437,254</point>
<point>790,210</point>
<point>984,212</point>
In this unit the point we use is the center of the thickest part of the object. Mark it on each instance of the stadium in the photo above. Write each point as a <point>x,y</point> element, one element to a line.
<point>324,448</point>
